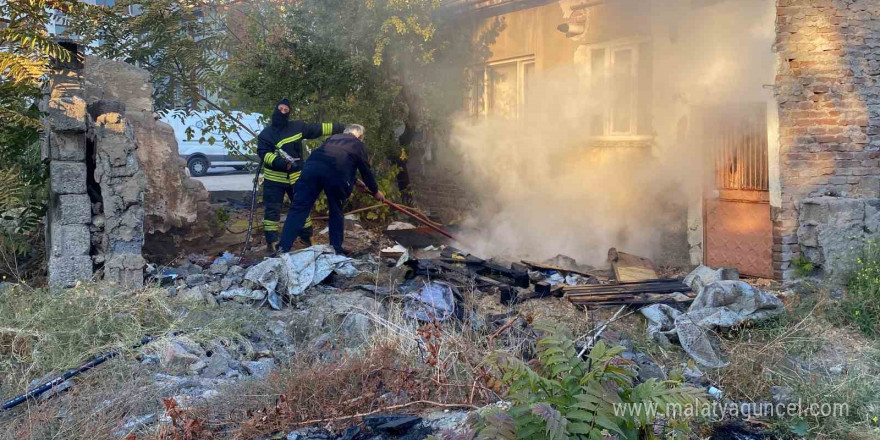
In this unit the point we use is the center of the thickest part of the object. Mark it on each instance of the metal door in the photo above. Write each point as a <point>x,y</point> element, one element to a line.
<point>737,228</point>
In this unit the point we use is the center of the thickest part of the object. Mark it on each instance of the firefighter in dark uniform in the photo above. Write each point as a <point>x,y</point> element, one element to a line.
<point>331,169</point>
<point>280,147</point>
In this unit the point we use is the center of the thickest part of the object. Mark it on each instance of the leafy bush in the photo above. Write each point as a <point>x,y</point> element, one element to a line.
<point>559,396</point>
<point>861,304</point>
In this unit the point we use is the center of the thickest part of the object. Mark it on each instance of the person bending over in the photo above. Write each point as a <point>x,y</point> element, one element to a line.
<point>331,168</point>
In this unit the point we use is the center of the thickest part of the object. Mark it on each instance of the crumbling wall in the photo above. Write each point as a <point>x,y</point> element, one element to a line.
<point>177,209</point>
<point>829,109</point>
<point>832,228</point>
<point>64,146</point>
<point>122,185</point>
<point>95,215</point>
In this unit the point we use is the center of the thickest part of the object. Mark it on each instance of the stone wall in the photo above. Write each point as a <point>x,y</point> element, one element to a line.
<point>66,123</point>
<point>437,188</point>
<point>95,216</point>
<point>829,108</point>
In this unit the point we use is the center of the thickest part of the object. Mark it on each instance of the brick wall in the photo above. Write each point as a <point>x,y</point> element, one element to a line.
<point>437,189</point>
<point>829,108</point>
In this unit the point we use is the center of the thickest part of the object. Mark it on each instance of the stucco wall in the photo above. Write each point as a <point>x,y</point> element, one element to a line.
<point>435,179</point>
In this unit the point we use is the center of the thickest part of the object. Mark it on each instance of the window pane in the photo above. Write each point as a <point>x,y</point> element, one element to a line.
<point>502,90</point>
<point>597,87</point>
<point>622,89</point>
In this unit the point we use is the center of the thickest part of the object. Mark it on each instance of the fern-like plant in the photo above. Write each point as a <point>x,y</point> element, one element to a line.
<point>560,396</point>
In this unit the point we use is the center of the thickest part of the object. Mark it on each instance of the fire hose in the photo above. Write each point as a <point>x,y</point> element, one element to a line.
<point>100,359</point>
<point>250,228</point>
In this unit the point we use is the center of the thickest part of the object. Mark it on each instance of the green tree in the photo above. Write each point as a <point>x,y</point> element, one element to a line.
<point>395,66</point>
<point>26,51</point>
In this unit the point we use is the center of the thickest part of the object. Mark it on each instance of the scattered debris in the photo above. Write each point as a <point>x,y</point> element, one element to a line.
<point>721,304</point>
<point>631,268</point>
<point>420,237</point>
<point>434,301</point>
<point>394,252</point>
<point>398,226</point>
<point>637,293</point>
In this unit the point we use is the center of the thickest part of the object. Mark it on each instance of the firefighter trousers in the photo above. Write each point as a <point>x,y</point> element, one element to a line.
<point>273,199</point>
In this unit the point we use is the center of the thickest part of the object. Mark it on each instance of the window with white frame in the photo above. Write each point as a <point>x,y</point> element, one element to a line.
<point>504,88</point>
<point>614,72</point>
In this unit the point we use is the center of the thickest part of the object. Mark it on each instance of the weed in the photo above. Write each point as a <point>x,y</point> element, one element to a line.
<point>803,267</point>
<point>559,396</point>
<point>861,304</point>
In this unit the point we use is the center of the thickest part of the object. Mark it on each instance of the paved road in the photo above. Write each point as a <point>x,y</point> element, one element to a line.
<point>227,179</point>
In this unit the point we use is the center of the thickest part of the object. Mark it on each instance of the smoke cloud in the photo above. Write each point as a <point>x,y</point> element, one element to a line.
<point>545,184</point>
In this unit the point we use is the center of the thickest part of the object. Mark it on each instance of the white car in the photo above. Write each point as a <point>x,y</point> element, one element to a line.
<point>200,154</point>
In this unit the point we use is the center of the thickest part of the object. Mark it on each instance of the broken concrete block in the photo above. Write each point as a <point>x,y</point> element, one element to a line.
<point>261,368</point>
<point>67,270</point>
<point>125,269</point>
<point>104,106</point>
<point>70,240</point>
<point>67,177</point>
<point>65,146</point>
<point>176,358</point>
<point>74,209</point>
<point>67,114</point>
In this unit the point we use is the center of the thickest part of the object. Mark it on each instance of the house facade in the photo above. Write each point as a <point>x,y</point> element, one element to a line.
<point>776,100</point>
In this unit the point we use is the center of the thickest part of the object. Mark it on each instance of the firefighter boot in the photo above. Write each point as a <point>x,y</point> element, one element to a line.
<point>271,239</point>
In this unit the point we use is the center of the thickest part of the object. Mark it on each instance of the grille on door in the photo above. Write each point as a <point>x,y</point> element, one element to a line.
<point>739,139</point>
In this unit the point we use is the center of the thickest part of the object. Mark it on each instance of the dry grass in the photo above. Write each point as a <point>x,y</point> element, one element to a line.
<point>51,332</point>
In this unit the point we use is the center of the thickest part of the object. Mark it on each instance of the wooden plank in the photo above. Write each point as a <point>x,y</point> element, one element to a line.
<point>629,267</point>
<point>542,266</point>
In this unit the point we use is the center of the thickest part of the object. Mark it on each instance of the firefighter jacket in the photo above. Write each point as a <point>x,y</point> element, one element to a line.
<point>287,135</point>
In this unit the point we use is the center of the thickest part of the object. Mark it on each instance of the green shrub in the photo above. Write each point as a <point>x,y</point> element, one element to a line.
<point>559,396</point>
<point>861,303</point>
<point>803,267</point>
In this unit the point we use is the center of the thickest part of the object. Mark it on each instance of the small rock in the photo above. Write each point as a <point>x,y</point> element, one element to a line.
<point>190,269</point>
<point>225,283</point>
<point>220,267</point>
<point>192,295</point>
<point>260,368</point>
<point>195,279</point>
<point>242,292</point>
<point>177,358</point>
<point>150,360</point>
<point>136,423</point>
<point>648,369</point>
<point>235,272</point>
<point>781,394</point>
<point>837,370</point>
<point>213,287</point>
<point>197,367</point>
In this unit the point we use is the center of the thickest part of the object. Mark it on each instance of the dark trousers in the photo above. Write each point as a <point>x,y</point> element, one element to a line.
<point>306,191</point>
<point>273,199</point>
